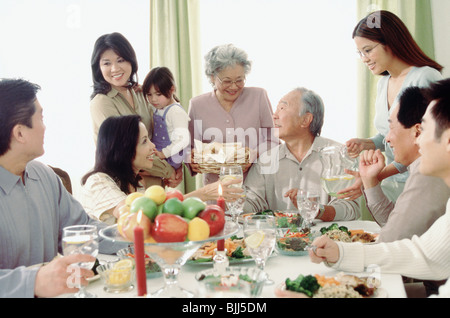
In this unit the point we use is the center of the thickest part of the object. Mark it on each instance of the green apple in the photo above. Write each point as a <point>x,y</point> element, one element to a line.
<point>192,206</point>
<point>160,209</point>
<point>173,206</point>
<point>147,205</point>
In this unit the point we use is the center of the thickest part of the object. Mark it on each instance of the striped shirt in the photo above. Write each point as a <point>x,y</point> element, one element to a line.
<point>100,195</point>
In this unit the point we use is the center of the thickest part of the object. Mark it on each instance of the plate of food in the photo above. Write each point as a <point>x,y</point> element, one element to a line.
<point>340,286</point>
<point>236,252</point>
<point>293,217</point>
<point>343,234</point>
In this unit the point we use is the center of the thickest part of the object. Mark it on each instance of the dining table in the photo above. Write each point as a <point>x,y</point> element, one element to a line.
<point>278,267</point>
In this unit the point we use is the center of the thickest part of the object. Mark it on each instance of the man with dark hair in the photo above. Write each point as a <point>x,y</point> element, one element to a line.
<point>34,205</point>
<point>422,257</point>
<point>423,199</point>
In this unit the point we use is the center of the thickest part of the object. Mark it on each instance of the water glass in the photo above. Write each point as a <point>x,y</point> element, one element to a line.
<point>259,238</point>
<point>81,239</point>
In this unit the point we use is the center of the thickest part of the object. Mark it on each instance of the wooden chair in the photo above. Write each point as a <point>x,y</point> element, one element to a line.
<point>65,178</point>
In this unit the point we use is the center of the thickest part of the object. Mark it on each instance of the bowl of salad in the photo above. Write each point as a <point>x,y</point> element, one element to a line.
<point>294,242</point>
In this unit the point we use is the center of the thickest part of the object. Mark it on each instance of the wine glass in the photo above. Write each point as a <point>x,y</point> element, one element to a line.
<point>259,238</point>
<point>237,206</point>
<point>81,239</point>
<point>232,172</point>
<point>308,203</point>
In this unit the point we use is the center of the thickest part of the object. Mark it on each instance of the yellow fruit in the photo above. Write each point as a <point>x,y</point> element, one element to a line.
<point>121,272</point>
<point>120,223</point>
<point>156,193</point>
<point>149,240</point>
<point>198,229</point>
<point>123,264</point>
<point>130,198</point>
<point>254,240</point>
<point>124,209</point>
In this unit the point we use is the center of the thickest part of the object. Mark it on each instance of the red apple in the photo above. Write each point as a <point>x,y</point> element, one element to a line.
<point>130,222</point>
<point>215,217</point>
<point>174,193</point>
<point>169,228</point>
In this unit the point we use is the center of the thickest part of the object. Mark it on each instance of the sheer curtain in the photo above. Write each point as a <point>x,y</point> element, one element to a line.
<point>416,14</point>
<point>174,43</point>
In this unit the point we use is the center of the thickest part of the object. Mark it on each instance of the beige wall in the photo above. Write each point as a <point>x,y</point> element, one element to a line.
<point>441,25</point>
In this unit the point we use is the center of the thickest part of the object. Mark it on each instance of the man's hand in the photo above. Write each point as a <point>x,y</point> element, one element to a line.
<point>57,277</point>
<point>326,250</point>
<point>371,163</point>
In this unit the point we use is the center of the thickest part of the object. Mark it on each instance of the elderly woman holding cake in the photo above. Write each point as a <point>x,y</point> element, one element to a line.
<point>232,114</point>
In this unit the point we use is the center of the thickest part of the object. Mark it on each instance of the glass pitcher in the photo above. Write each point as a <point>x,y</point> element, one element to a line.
<point>334,162</point>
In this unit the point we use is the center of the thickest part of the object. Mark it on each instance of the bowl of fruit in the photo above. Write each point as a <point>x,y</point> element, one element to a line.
<point>174,228</point>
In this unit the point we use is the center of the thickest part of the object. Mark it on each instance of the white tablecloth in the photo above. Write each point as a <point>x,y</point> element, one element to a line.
<point>278,267</point>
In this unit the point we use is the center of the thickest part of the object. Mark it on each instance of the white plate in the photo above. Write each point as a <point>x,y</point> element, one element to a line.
<point>90,279</point>
<point>281,292</point>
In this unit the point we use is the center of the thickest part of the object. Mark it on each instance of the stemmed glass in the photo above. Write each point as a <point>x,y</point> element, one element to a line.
<point>233,172</point>
<point>237,206</point>
<point>308,203</point>
<point>259,238</point>
<point>171,257</point>
<point>81,239</point>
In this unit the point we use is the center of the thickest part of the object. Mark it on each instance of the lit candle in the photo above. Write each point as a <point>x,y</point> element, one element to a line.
<point>139,253</point>
<point>221,203</point>
<point>220,199</point>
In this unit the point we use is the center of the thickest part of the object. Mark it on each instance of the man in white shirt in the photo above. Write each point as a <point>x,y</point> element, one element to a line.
<point>424,257</point>
<point>296,162</point>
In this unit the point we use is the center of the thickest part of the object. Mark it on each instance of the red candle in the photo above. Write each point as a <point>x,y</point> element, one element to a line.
<point>221,200</point>
<point>221,203</point>
<point>139,253</point>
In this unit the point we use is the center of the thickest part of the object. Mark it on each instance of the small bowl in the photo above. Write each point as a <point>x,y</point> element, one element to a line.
<point>254,277</point>
<point>289,219</point>
<point>294,243</point>
<point>116,280</point>
<point>152,269</point>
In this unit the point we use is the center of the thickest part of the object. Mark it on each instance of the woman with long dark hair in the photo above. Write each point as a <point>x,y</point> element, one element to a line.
<point>116,92</point>
<point>123,150</point>
<point>388,49</point>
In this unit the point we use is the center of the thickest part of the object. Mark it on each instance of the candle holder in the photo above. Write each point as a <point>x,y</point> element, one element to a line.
<point>171,257</point>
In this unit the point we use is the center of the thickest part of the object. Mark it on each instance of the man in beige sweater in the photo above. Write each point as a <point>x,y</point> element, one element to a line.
<point>423,257</point>
<point>423,198</point>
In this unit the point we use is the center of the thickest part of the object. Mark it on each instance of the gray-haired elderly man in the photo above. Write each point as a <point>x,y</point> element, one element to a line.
<point>295,163</point>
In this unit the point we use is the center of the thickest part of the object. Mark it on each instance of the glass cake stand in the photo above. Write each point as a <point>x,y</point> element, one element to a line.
<point>170,256</point>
